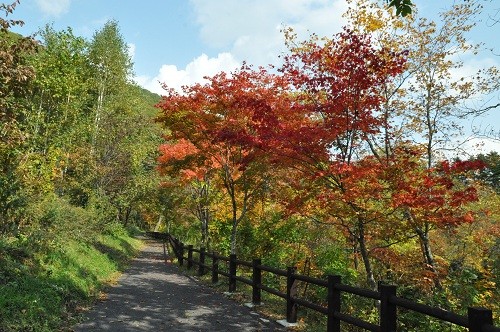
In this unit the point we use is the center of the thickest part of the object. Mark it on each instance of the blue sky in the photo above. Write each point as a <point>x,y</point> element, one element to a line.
<point>204,35</point>
<point>162,32</point>
<point>180,41</point>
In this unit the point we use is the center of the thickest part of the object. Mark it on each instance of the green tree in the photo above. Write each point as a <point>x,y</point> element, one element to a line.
<point>61,108</point>
<point>126,147</point>
<point>117,118</point>
<point>112,67</point>
<point>15,77</point>
<point>490,175</point>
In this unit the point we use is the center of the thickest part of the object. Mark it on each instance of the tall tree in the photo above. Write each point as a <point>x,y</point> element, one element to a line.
<point>112,67</point>
<point>15,77</point>
<point>335,84</point>
<point>212,131</point>
<point>61,86</point>
<point>118,122</point>
<point>61,108</point>
<point>126,148</point>
<point>427,104</point>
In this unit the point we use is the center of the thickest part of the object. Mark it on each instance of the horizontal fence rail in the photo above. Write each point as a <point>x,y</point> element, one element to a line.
<point>477,319</point>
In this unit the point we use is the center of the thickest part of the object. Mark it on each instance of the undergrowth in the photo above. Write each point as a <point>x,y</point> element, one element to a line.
<point>44,288</point>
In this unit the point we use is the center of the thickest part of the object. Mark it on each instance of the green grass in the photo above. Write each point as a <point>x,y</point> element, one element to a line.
<point>44,291</point>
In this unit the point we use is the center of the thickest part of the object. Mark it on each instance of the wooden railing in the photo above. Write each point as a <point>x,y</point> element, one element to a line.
<point>477,319</point>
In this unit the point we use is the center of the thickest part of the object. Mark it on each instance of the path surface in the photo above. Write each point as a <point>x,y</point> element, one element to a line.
<point>154,296</point>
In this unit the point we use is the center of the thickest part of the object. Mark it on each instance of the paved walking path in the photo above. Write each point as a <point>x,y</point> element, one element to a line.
<point>154,296</point>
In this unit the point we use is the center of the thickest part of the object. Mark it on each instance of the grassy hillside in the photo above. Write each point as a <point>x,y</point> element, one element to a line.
<point>46,290</point>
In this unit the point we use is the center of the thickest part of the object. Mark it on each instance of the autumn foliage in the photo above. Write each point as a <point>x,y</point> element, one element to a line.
<point>213,130</point>
<point>313,141</point>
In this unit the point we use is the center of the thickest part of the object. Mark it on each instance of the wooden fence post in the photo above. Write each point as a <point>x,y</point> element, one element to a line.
<point>174,249</point>
<point>181,253</point>
<point>190,257</point>
<point>334,298</point>
<point>165,255</point>
<point>215,268</point>
<point>291,291</point>
<point>201,266</point>
<point>479,317</point>
<point>174,245</point>
<point>232,273</point>
<point>169,242</point>
<point>256,280</point>
<point>388,311</point>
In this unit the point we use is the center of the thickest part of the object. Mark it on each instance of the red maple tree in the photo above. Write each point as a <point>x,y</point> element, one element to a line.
<point>212,129</point>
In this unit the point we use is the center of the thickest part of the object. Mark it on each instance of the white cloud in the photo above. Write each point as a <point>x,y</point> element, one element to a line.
<point>471,66</point>
<point>476,145</point>
<point>250,30</point>
<point>194,72</point>
<point>246,30</point>
<point>53,7</point>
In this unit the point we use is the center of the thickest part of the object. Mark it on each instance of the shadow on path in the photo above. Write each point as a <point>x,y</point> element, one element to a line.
<point>154,296</point>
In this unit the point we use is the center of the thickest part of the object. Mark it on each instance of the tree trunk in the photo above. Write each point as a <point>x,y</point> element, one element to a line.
<point>128,210</point>
<point>97,118</point>
<point>233,237</point>
<point>158,224</point>
<point>229,184</point>
<point>205,217</point>
<point>370,279</point>
<point>423,235</point>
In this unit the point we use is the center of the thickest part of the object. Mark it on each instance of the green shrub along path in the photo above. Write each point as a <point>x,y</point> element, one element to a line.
<point>155,296</point>
<point>45,287</point>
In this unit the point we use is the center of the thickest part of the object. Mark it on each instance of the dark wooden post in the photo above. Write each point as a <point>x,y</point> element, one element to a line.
<point>388,311</point>
<point>256,280</point>
<point>190,257</point>
<point>215,268</point>
<point>165,256</point>
<point>232,273</point>
<point>181,253</point>
<point>201,266</point>
<point>479,317</point>
<point>174,248</point>
<point>334,298</point>
<point>291,291</point>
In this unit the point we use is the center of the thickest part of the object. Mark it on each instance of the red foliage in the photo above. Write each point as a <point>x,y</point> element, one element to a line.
<point>219,127</point>
<point>436,195</point>
<point>176,151</point>
<point>333,102</point>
